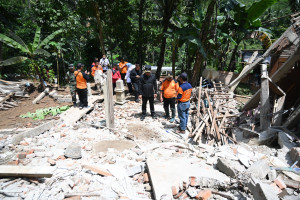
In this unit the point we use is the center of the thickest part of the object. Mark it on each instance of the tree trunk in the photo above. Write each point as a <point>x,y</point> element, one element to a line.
<point>232,64</point>
<point>141,34</point>
<point>99,25</point>
<point>0,56</point>
<point>204,38</point>
<point>174,59</point>
<point>169,7</point>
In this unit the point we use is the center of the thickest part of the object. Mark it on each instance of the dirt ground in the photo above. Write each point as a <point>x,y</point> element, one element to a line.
<point>142,132</point>
<point>10,118</point>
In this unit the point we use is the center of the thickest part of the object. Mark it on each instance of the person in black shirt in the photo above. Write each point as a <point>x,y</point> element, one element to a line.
<point>148,91</point>
<point>135,76</point>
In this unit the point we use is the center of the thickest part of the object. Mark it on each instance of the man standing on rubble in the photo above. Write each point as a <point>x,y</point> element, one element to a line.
<point>148,91</point>
<point>104,62</point>
<point>81,85</point>
<point>72,83</point>
<point>183,98</point>
<point>168,95</point>
<point>135,76</point>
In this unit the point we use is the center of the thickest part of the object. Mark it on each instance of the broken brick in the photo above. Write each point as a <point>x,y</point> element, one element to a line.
<point>15,162</point>
<point>277,190</point>
<point>175,190</point>
<point>192,181</point>
<point>24,143</point>
<point>21,155</point>
<point>280,183</point>
<point>61,158</point>
<point>31,151</point>
<point>73,198</point>
<point>204,195</point>
<point>146,178</point>
<point>51,162</point>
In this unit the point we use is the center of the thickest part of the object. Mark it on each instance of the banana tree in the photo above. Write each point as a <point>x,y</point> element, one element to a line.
<point>30,52</point>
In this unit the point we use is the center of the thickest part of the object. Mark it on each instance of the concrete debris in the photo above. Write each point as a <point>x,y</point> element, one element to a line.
<point>259,169</point>
<point>142,160</point>
<point>73,151</point>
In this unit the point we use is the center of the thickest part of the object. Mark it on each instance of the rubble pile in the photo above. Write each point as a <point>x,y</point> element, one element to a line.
<point>9,92</point>
<point>214,116</point>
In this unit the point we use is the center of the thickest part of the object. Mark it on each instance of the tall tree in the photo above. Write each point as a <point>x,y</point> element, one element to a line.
<point>99,25</point>
<point>168,7</point>
<point>141,33</point>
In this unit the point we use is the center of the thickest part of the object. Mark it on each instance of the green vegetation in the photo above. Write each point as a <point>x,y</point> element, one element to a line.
<point>188,34</point>
<point>41,113</point>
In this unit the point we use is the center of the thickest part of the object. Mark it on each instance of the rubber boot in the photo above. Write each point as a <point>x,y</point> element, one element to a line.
<point>173,115</point>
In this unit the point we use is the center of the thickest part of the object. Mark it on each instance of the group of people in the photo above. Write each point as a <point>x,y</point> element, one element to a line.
<point>142,85</point>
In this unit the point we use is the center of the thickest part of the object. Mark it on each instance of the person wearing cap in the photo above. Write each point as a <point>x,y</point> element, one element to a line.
<point>127,77</point>
<point>115,76</point>
<point>81,85</point>
<point>168,95</point>
<point>72,83</point>
<point>183,98</point>
<point>104,62</point>
<point>135,76</point>
<point>148,91</point>
<point>123,69</point>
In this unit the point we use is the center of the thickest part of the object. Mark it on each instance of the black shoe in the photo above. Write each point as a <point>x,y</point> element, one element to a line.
<point>142,117</point>
<point>137,101</point>
<point>154,117</point>
<point>74,105</point>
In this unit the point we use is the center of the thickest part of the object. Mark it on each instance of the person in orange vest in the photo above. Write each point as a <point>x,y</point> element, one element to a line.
<point>183,98</point>
<point>123,68</point>
<point>96,67</point>
<point>81,85</point>
<point>168,95</point>
<point>115,76</point>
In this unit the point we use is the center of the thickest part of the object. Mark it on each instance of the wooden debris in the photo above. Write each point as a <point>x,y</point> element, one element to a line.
<point>42,95</point>
<point>25,171</point>
<point>216,112</point>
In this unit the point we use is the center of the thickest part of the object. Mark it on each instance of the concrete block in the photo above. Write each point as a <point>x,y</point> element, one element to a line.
<point>135,170</point>
<point>263,191</point>
<point>259,169</point>
<point>224,166</point>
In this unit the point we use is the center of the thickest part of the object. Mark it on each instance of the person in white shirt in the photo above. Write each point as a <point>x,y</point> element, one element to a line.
<point>127,77</point>
<point>104,62</point>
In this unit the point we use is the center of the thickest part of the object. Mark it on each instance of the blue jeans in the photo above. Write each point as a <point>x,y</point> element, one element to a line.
<point>183,114</point>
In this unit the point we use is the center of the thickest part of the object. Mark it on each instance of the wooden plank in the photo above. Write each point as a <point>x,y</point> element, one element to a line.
<point>264,99</point>
<point>283,70</point>
<point>108,101</point>
<point>210,110</point>
<point>278,110</point>
<point>293,119</point>
<point>26,171</point>
<point>251,59</point>
<point>266,54</point>
<point>199,97</point>
<point>7,97</point>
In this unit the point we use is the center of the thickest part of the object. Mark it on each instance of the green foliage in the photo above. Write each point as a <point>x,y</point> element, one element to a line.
<point>41,113</point>
<point>243,89</point>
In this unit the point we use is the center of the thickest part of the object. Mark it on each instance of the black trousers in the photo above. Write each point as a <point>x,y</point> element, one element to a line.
<point>129,85</point>
<point>144,104</point>
<point>114,86</point>
<point>169,102</point>
<point>123,76</point>
<point>82,94</point>
<point>136,90</point>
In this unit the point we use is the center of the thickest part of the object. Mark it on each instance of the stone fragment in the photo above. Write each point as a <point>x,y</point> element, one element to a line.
<point>259,169</point>
<point>73,151</point>
<point>295,154</point>
<point>272,174</point>
<point>191,191</point>
<point>262,191</point>
<point>135,170</point>
<point>284,140</point>
<point>21,155</point>
<point>224,166</point>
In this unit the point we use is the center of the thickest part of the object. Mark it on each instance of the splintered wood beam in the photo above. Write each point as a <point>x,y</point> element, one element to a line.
<point>264,99</point>
<point>278,110</point>
<point>199,97</point>
<point>251,59</point>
